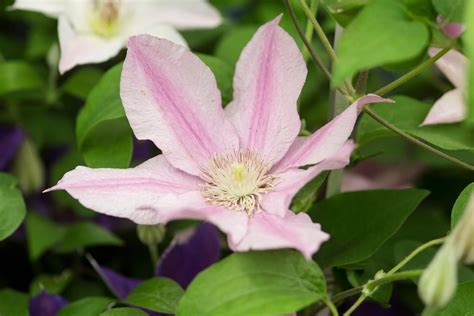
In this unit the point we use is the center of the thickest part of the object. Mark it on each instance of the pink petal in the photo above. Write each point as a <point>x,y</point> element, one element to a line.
<point>79,49</point>
<point>450,108</point>
<point>170,97</point>
<point>181,14</point>
<point>268,79</point>
<point>49,8</point>
<point>267,231</point>
<point>131,193</point>
<point>157,30</point>
<point>453,65</point>
<point>292,180</point>
<point>191,205</point>
<point>326,141</point>
<point>452,30</point>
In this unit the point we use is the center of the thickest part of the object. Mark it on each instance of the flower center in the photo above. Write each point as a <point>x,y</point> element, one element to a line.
<point>236,181</point>
<point>104,17</point>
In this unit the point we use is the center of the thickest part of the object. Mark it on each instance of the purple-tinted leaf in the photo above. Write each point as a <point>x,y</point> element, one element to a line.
<point>45,304</point>
<point>185,259</point>
<point>10,140</point>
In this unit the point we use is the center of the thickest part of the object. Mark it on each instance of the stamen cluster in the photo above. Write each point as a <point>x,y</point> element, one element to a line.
<point>237,180</point>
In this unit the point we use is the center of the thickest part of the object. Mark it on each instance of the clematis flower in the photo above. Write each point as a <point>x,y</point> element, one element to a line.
<point>237,168</point>
<point>452,106</point>
<point>93,31</point>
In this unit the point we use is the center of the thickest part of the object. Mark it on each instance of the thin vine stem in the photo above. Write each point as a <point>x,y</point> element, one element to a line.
<point>324,40</point>
<point>354,306</point>
<point>414,72</point>
<point>311,50</point>
<point>309,28</point>
<point>373,284</point>
<point>319,30</point>
<point>415,252</point>
<point>415,140</point>
<point>331,306</point>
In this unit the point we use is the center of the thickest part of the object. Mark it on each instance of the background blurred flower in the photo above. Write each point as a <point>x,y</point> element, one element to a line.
<point>182,261</point>
<point>451,107</point>
<point>11,138</point>
<point>451,29</point>
<point>92,31</point>
<point>46,304</point>
<point>371,174</point>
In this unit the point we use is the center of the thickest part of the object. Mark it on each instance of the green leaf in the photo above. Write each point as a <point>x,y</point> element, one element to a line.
<point>89,306</point>
<point>360,222</point>
<point>377,36</point>
<point>158,294</point>
<point>223,73</point>
<point>451,10</point>
<point>461,203</point>
<point>407,114</point>
<point>13,303</point>
<point>109,144</point>
<point>124,311</point>
<point>18,76</point>
<point>232,43</point>
<point>8,180</point>
<point>103,134</point>
<point>87,235</point>
<point>255,283</point>
<point>468,38</point>
<point>12,210</point>
<point>461,305</point>
<point>305,197</point>
<point>81,82</point>
<point>54,284</point>
<point>42,234</point>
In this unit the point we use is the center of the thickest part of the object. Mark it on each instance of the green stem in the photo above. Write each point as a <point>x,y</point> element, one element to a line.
<point>414,72</point>
<point>361,82</point>
<point>415,140</point>
<point>310,48</point>
<point>373,284</point>
<point>309,28</point>
<point>319,30</point>
<point>324,40</point>
<point>415,252</point>
<point>154,255</point>
<point>331,306</point>
<point>348,293</point>
<point>354,306</point>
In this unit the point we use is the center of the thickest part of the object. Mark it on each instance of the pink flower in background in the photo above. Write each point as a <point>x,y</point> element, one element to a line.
<point>451,29</point>
<point>93,31</point>
<point>371,175</point>
<point>451,107</point>
<point>237,168</point>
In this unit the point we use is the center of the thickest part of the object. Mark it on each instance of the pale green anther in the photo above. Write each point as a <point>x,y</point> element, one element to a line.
<point>439,281</point>
<point>28,168</point>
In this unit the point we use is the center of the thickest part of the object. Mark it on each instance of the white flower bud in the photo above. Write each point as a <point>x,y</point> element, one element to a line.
<point>28,168</point>
<point>463,234</point>
<point>439,281</point>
